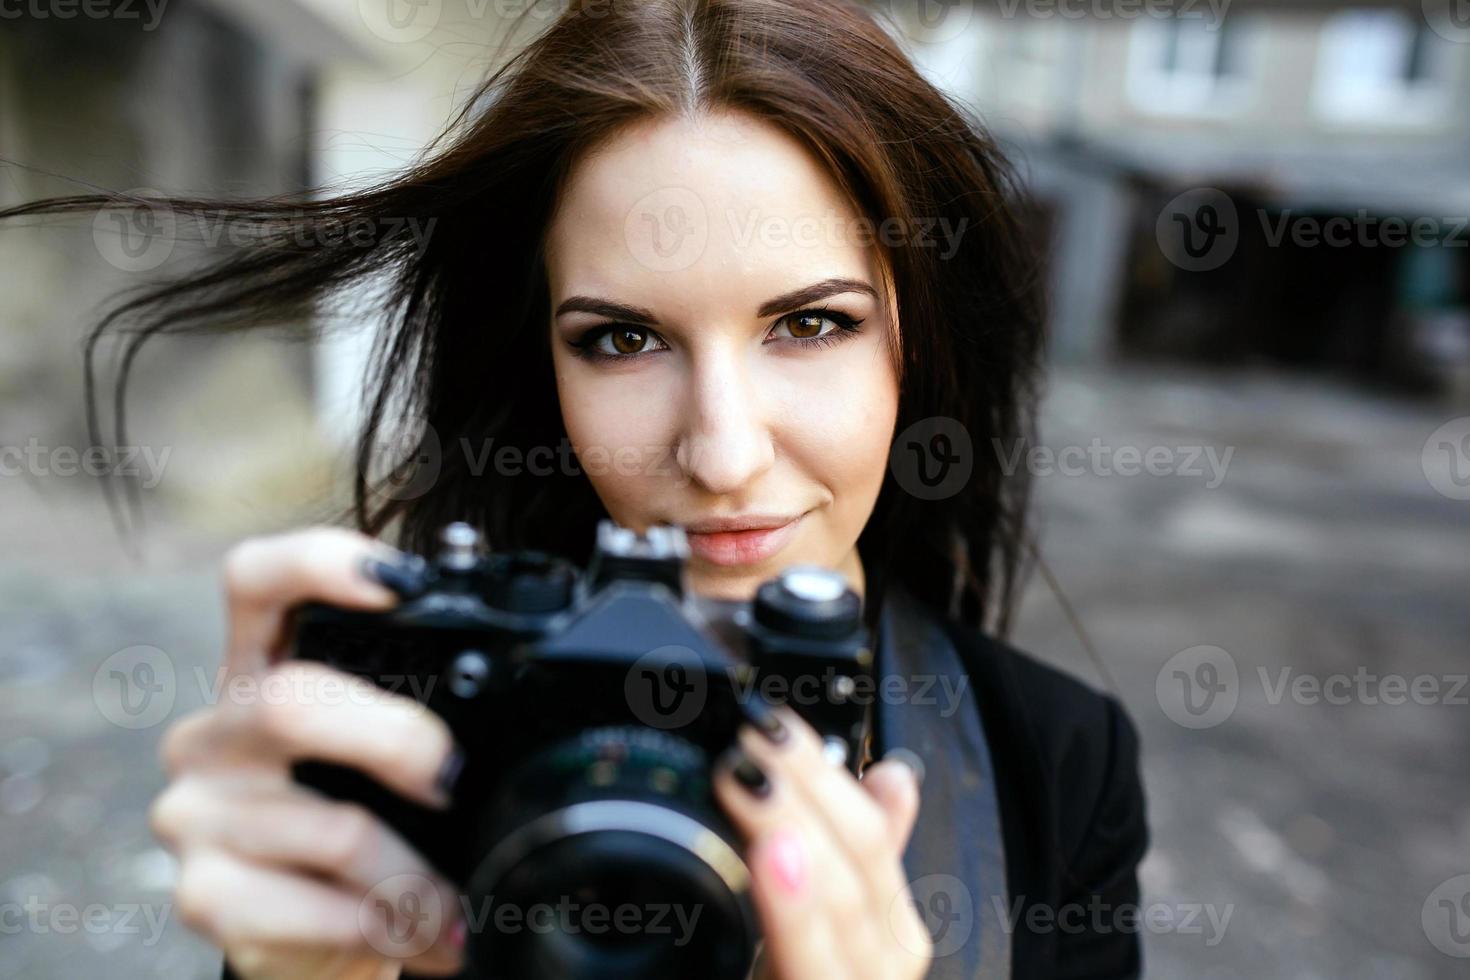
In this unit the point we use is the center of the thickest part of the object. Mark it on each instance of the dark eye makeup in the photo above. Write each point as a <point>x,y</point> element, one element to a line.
<point>586,345</point>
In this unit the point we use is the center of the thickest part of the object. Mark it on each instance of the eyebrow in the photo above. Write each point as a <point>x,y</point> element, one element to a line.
<point>624,313</point>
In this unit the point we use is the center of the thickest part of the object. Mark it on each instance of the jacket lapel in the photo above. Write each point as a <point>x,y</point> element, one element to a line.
<point>955,859</point>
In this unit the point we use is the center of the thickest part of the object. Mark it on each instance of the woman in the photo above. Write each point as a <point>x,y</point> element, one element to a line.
<point>767,282</point>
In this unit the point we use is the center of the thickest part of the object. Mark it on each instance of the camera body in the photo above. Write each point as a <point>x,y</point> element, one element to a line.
<point>590,708</point>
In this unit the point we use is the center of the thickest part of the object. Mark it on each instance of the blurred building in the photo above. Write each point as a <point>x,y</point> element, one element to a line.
<point>186,97</point>
<point>1320,147</point>
<point>206,98</point>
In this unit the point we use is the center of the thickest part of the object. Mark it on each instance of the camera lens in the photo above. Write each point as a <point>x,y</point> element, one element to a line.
<point>608,857</point>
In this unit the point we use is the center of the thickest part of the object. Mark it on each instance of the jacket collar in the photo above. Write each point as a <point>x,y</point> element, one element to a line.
<point>955,859</point>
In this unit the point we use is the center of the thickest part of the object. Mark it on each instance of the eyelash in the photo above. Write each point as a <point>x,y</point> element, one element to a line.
<point>586,345</point>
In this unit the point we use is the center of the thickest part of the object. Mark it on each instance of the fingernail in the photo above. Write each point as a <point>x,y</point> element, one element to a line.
<point>768,724</point>
<point>909,758</point>
<point>746,772</point>
<point>449,774</point>
<point>787,861</point>
<point>406,575</point>
<point>457,934</point>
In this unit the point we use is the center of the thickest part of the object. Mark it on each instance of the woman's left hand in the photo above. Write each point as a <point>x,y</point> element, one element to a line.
<point>825,851</point>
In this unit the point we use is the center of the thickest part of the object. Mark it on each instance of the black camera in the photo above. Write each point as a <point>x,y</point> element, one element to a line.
<point>591,708</point>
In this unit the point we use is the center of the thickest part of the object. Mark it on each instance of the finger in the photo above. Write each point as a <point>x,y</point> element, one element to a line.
<point>242,906</point>
<point>852,817</point>
<point>288,827</point>
<point>800,940</point>
<point>303,710</point>
<point>806,937</point>
<point>264,578</point>
<point>828,885</point>
<point>894,784</point>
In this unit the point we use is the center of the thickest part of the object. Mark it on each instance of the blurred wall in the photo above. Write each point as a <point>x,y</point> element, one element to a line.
<point>190,103</point>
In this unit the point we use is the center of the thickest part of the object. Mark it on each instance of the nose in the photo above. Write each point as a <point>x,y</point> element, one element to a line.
<point>725,441</point>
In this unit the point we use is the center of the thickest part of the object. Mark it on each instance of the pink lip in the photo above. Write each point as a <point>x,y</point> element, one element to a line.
<point>741,547</point>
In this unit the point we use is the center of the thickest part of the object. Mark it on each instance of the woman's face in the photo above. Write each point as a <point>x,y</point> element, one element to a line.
<point>717,332</point>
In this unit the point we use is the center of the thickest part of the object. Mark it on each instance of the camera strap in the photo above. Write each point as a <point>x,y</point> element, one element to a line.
<point>955,859</point>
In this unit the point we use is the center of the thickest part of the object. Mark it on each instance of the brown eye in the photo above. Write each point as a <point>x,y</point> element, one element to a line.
<point>806,325</point>
<point>628,340</point>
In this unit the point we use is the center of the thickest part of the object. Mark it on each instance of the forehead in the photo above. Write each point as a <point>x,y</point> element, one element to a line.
<point>710,205</point>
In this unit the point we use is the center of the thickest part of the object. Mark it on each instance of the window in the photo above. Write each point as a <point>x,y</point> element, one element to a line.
<point>1188,65</point>
<point>1382,67</point>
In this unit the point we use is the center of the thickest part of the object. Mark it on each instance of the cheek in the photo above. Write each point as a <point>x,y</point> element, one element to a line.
<point>840,428</point>
<point>620,434</point>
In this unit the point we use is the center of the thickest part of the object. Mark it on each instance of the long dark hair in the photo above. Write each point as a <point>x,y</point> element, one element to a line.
<point>824,71</point>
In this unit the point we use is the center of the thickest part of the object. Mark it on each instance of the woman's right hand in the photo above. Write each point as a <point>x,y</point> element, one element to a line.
<point>288,883</point>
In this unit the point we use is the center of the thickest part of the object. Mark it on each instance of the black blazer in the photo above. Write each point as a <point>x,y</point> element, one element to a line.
<point>1032,818</point>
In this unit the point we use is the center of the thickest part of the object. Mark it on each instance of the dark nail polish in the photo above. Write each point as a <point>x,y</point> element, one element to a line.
<point>769,724</point>
<point>746,772</point>
<point>406,575</point>
<point>449,774</point>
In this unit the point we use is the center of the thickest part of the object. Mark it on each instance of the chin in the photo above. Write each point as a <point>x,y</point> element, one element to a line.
<point>740,586</point>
